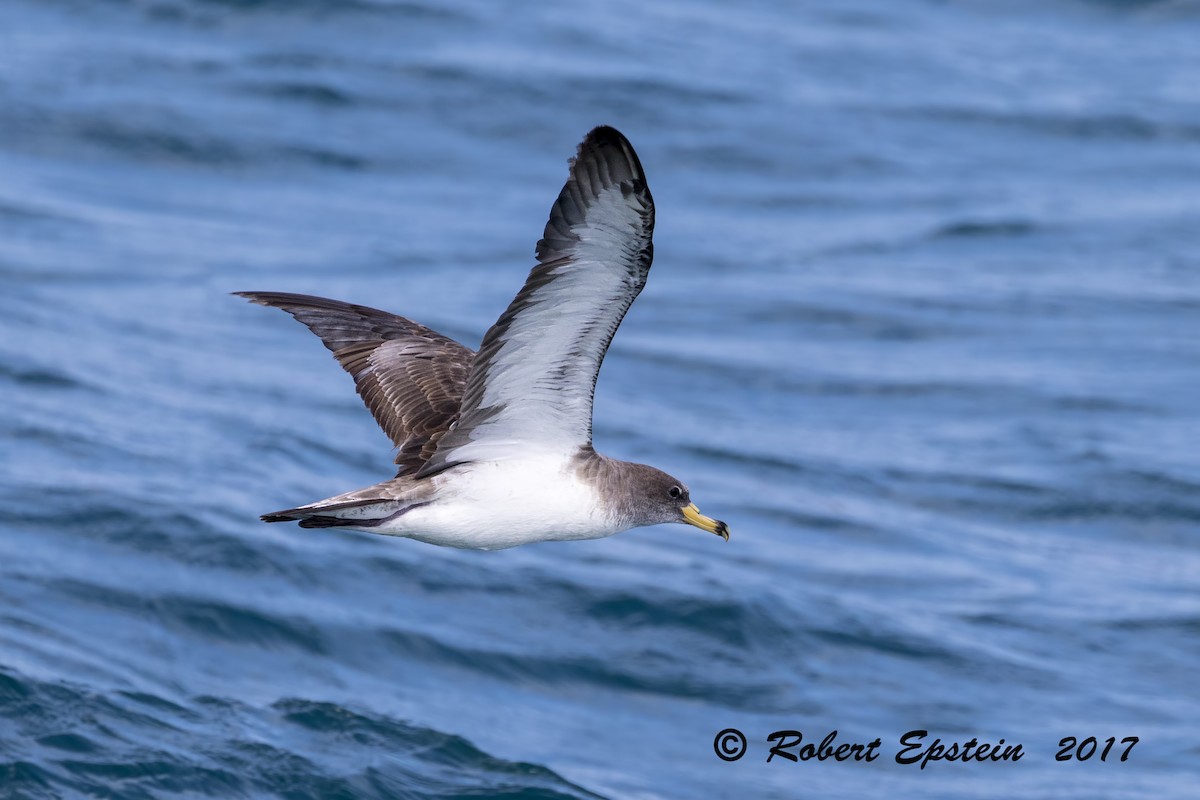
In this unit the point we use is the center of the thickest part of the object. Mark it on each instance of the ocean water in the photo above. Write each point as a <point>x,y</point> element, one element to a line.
<point>923,328</point>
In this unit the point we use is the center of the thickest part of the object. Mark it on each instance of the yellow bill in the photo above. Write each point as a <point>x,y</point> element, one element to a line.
<point>692,516</point>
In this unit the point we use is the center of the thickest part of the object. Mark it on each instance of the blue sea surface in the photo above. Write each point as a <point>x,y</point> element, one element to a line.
<point>923,327</point>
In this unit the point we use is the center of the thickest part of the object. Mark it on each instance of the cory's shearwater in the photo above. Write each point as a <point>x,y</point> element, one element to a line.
<point>495,447</point>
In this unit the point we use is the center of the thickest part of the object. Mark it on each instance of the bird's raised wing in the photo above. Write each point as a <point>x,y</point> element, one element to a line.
<point>410,377</point>
<point>531,386</point>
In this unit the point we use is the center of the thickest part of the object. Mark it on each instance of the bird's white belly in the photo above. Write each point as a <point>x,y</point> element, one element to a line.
<point>493,505</point>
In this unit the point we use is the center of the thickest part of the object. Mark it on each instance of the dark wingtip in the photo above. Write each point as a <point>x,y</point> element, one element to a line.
<point>606,134</point>
<point>278,516</point>
<point>599,143</point>
<point>605,158</point>
<point>270,299</point>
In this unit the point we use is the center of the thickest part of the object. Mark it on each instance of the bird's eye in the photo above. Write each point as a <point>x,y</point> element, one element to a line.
<point>675,492</point>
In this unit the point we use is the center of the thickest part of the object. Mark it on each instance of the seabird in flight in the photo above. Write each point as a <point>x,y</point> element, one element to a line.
<point>495,447</point>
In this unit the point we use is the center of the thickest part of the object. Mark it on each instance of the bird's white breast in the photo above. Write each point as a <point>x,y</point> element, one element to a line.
<point>498,504</point>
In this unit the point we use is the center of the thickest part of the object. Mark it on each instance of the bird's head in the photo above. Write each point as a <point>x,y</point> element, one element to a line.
<point>657,497</point>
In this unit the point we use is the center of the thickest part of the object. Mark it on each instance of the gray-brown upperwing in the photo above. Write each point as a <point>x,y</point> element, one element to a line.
<point>531,386</point>
<point>411,378</point>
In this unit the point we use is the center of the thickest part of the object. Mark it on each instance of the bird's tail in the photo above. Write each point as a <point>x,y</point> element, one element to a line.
<point>363,508</point>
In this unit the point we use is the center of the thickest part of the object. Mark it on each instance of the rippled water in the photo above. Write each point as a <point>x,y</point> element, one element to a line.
<point>922,328</point>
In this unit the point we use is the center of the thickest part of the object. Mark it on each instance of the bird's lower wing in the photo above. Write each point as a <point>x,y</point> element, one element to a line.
<point>531,385</point>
